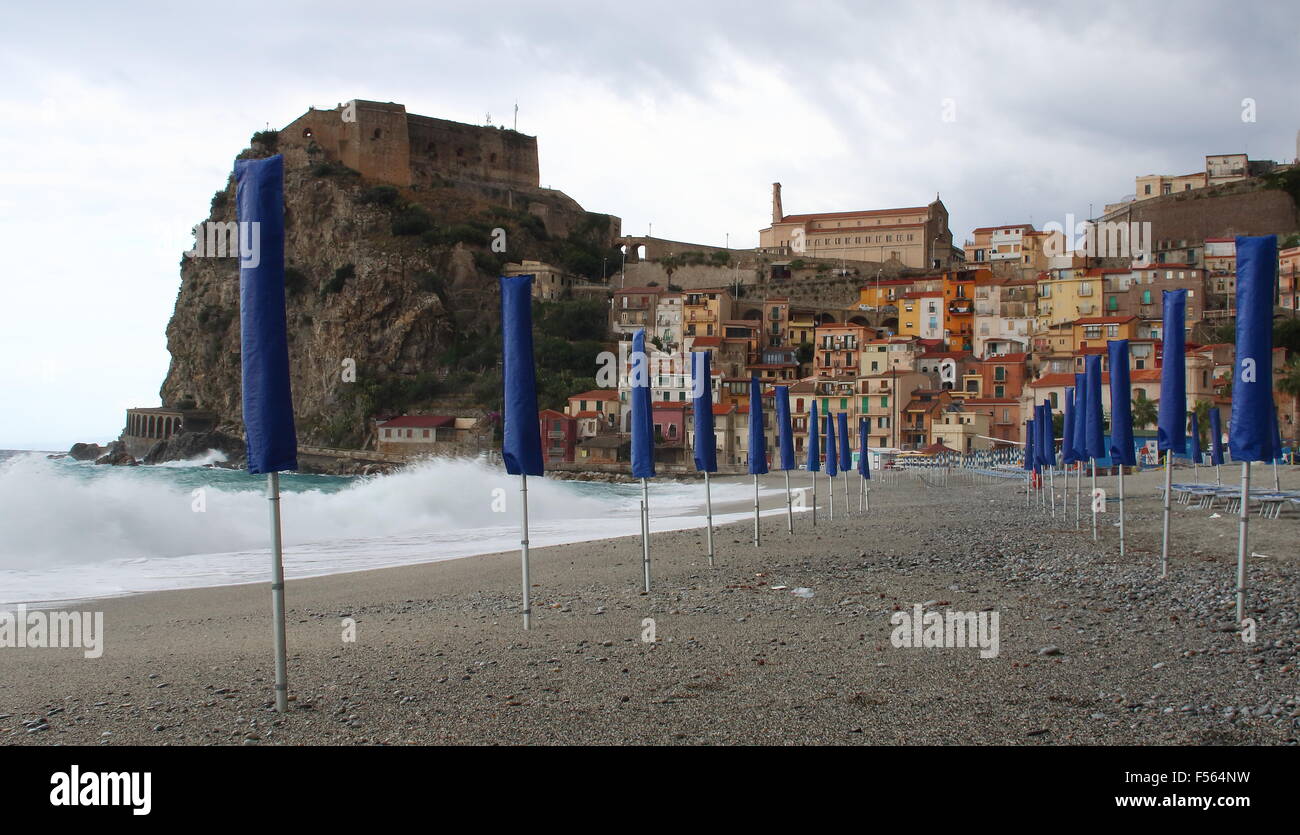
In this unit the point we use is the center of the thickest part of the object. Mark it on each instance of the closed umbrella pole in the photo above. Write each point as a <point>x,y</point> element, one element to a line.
<point>1171,429</point>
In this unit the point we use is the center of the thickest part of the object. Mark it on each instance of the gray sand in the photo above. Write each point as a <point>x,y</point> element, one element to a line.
<point>440,656</point>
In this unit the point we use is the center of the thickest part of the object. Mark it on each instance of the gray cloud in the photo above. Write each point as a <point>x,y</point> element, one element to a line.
<point>123,119</point>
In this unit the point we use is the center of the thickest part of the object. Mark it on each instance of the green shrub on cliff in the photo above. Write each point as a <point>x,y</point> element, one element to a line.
<point>413,220</point>
<point>266,138</point>
<point>379,196</point>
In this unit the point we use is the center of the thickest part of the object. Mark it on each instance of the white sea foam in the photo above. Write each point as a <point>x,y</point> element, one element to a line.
<point>76,530</point>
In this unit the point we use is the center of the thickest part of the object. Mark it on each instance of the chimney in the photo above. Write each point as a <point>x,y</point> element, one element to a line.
<point>777,213</point>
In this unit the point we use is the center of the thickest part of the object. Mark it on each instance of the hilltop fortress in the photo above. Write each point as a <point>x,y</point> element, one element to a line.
<point>386,144</point>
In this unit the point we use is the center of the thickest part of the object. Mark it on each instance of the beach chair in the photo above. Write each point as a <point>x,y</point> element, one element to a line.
<point>1270,505</point>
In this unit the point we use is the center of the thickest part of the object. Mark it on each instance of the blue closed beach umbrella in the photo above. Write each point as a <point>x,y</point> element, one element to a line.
<point>1067,430</point>
<point>1121,421</point>
<point>785,442</point>
<point>846,453</point>
<point>521,437</point>
<point>1093,433</point>
<point>1171,430</point>
<point>757,444</point>
<point>1121,414</point>
<point>1028,463</point>
<point>643,455</point>
<point>1079,427</point>
<point>864,463</point>
<point>1047,447</point>
<point>1250,429</point>
<point>1093,437</point>
<point>1216,437</point>
<point>1194,438</point>
<point>264,359</point>
<point>706,442</point>
<point>784,430</point>
<point>864,438</point>
<point>831,469</point>
<point>814,453</point>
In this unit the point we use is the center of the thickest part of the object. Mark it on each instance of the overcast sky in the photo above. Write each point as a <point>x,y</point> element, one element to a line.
<point>121,119</point>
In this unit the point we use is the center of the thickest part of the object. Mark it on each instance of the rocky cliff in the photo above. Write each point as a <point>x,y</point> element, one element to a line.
<point>398,284</point>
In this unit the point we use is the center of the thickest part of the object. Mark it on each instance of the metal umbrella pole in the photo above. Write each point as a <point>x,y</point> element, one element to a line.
<point>1094,499</point>
<point>708,511</point>
<point>645,531</point>
<point>846,492</point>
<point>1243,535</point>
<point>814,497</point>
<point>1121,510</point>
<point>1078,492</point>
<point>757,536</point>
<point>277,595</point>
<point>1164,538</point>
<point>830,491</point>
<point>789,504</point>
<point>523,552</point>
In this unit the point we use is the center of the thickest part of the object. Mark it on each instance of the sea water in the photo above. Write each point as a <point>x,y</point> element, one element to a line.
<point>73,530</point>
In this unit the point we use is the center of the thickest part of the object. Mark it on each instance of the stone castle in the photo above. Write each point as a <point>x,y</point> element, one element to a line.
<point>386,144</point>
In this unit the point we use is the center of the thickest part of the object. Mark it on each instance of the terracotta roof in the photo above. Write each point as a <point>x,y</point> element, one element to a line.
<point>1137,375</point>
<point>1104,320</point>
<point>596,394</point>
<point>868,213</point>
<point>1028,226</point>
<point>419,422</point>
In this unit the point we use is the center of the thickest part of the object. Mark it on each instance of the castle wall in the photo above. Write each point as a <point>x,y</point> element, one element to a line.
<point>1240,208</point>
<point>386,144</point>
<point>451,149</point>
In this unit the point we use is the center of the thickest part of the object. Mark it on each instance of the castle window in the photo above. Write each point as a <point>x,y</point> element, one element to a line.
<point>306,133</point>
<point>376,134</point>
<point>493,158</point>
<point>460,152</point>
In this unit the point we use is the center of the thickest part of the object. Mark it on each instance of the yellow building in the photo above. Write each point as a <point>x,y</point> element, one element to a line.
<point>1095,331</point>
<point>704,311</point>
<point>920,314</point>
<point>1067,294</point>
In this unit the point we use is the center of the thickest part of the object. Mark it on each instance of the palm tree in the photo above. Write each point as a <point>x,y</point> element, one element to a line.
<point>1145,412</point>
<point>1202,412</point>
<point>1289,382</point>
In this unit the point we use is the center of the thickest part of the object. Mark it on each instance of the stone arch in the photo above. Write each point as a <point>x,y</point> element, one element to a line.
<point>824,319</point>
<point>859,320</point>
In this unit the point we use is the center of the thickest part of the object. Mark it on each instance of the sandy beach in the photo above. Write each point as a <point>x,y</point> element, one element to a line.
<point>1093,649</point>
